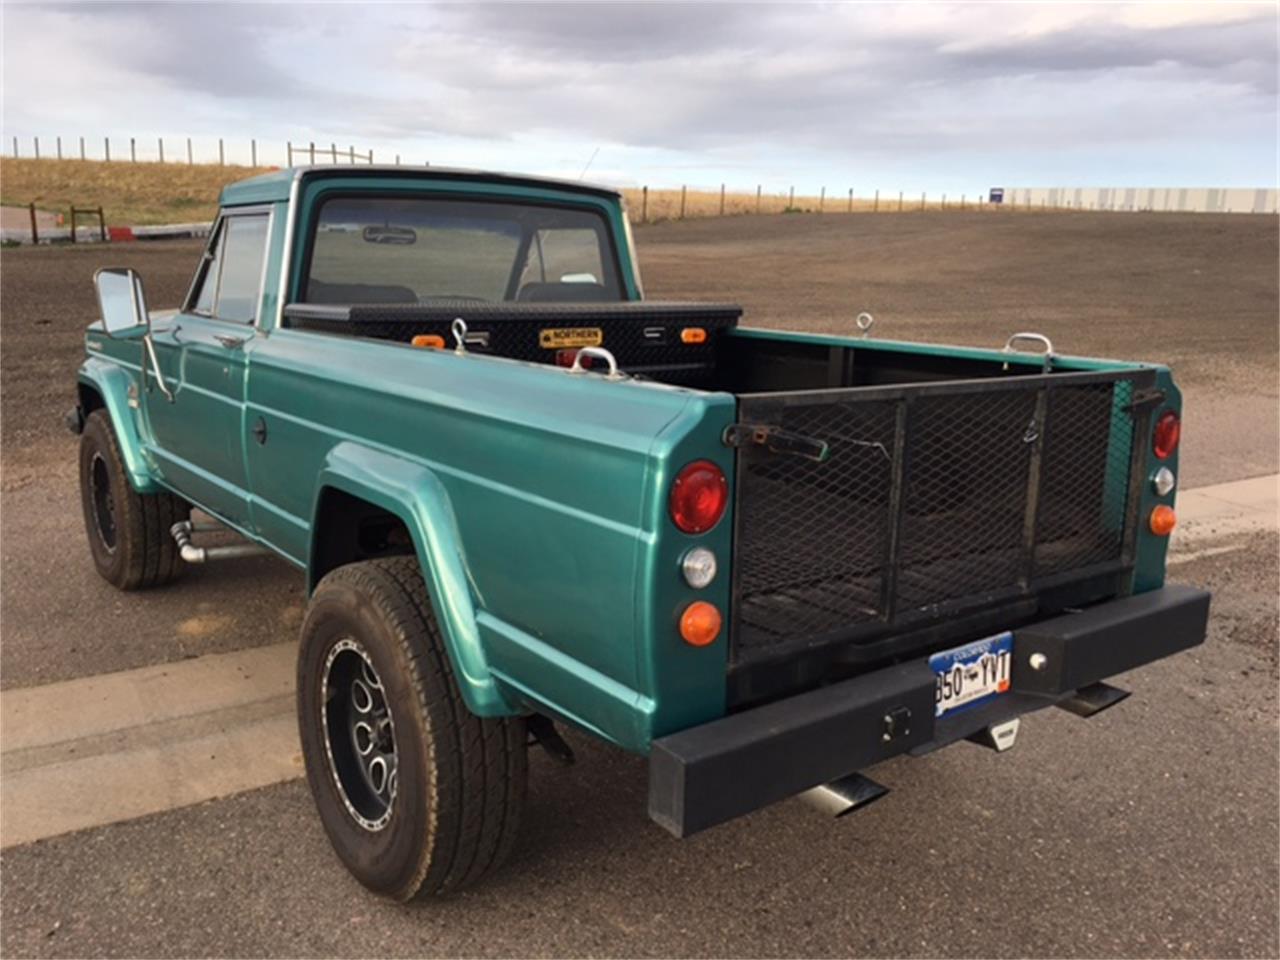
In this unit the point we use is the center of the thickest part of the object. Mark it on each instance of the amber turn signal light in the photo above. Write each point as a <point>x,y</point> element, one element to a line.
<point>430,340</point>
<point>1163,520</point>
<point>700,624</point>
<point>693,335</point>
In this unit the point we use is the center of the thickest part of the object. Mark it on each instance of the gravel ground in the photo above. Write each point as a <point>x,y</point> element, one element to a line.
<point>1147,831</point>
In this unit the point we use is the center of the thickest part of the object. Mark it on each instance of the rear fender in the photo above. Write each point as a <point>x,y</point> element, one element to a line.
<point>112,384</point>
<point>413,492</point>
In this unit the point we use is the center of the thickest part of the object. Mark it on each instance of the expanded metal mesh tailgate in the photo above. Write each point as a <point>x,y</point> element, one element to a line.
<point>931,499</point>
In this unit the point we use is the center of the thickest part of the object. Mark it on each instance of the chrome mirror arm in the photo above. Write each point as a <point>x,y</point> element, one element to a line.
<point>149,346</point>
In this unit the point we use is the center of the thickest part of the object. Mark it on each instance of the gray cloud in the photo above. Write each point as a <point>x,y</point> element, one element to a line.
<point>728,82</point>
<point>214,49</point>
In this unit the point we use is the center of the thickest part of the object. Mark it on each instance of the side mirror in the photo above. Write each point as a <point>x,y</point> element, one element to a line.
<point>124,308</point>
<point>125,316</point>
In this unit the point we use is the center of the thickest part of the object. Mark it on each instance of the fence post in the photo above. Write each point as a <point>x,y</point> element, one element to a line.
<point>397,159</point>
<point>190,161</point>
<point>36,141</point>
<point>791,200</point>
<point>222,156</point>
<point>133,150</point>
<point>851,199</point>
<point>876,207</point>
<point>962,201</point>
<point>253,152</point>
<point>102,226</point>
<point>758,189</point>
<point>313,153</point>
<point>15,146</point>
<point>722,199</point>
<point>822,199</point>
<point>106,148</point>
<point>333,152</point>
<point>351,151</point>
<point>644,204</point>
<point>73,223</point>
<point>35,234</point>
<point>82,148</point>
<point>922,200</point>
<point>371,156</point>
<point>160,141</point>
<point>899,201</point>
<point>944,201</point>
<point>59,148</point>
<point>683,193</point>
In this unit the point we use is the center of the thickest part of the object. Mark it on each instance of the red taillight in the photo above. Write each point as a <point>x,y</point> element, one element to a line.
<point>1165,438</point>
<point>698,497</point>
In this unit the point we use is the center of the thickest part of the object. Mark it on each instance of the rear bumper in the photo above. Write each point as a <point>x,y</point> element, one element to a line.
<point>712,773</point>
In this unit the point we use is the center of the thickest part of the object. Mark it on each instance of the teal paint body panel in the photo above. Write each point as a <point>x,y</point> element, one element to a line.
<point>535,499</point>
<point>112,378</point>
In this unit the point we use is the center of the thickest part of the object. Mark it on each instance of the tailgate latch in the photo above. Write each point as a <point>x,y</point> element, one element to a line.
<point>776,440</point>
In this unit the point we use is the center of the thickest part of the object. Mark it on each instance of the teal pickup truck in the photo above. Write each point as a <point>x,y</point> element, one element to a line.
<point>525,497</point>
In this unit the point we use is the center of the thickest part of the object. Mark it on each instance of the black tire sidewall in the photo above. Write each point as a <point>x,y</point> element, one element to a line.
<point>389,861</point>
<point>97,440</point>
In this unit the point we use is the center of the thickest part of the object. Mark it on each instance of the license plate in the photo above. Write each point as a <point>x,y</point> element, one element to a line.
<point>972,674</point>
<point>554,338</point>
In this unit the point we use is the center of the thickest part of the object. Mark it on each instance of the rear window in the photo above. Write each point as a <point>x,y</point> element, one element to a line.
<point>421,250</point>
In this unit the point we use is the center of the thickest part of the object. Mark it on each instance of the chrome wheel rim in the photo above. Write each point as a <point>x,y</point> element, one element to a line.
<point>104,507</point>
<point>359,734</point>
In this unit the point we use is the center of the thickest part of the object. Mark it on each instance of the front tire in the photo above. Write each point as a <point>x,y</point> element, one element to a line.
<point>417,794</point>
<point>128,531</point>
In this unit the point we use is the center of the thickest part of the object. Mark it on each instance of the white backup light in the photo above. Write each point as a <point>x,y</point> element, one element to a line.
<point>699,567</point>
<point>1164,481</point>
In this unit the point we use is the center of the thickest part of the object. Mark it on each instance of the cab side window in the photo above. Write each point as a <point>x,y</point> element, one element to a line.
<point>231,286</point>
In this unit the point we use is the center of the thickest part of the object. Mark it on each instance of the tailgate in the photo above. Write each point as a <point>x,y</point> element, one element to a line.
<point>868,510</point>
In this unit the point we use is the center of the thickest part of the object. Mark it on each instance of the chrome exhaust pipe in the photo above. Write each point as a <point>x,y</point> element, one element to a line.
<point>841,797</point>
<point>181,533</point>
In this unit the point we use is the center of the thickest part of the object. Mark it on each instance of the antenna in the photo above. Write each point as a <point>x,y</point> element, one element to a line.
<point>589,163</point>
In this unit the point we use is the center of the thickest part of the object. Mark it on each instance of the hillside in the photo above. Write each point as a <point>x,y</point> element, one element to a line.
<point>137,194</point>
<point>129,193</point>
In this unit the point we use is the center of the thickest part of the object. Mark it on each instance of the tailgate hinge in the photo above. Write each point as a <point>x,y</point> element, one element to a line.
<point>776,440</point>
<point>1145,398</point>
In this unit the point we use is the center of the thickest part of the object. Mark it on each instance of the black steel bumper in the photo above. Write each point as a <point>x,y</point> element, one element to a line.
<point>709,774</point>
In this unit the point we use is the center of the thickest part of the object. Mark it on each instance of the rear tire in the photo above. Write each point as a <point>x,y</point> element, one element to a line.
<point>128,531</point>
<point>417,794</point>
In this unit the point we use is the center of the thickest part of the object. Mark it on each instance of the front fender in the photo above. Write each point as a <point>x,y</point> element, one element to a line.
<point>415,494</point>
<point>112,383</point>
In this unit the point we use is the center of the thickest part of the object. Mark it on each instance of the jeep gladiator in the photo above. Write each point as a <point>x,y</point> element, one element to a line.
<point>524,496</point>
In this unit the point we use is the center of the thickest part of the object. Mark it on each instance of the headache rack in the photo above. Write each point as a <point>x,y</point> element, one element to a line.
<point>872,520</point>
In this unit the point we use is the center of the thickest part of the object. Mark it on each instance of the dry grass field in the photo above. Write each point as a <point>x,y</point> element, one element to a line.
<point>137,194</point>
<point>133,194</point>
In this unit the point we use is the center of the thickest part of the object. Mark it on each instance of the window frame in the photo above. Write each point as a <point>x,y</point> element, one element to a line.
<point>213,254</point>
<point>608,254</point>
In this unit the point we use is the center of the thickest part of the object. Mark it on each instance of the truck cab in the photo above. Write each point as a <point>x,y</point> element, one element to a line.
<point>526,497</point>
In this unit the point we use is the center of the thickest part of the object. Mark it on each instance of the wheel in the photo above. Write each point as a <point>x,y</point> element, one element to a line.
<point>417,794</point>
<point>128,531</point>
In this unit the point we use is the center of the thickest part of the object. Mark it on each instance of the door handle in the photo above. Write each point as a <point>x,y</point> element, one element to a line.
<point>229,341</point>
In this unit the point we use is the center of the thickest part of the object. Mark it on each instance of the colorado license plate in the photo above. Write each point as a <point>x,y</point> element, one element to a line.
<point>972,674</point>
<point>553,338</point>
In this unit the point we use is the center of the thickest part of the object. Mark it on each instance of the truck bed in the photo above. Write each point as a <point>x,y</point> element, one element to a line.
<point>881,489</point>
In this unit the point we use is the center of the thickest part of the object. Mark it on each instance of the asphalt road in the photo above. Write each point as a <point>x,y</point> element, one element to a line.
<point>1150,830</point>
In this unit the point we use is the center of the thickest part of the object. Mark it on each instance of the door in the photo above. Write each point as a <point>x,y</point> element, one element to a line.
<point>203,353</point>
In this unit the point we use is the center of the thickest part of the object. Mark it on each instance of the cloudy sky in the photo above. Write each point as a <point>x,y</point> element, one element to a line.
<point>937,97</point>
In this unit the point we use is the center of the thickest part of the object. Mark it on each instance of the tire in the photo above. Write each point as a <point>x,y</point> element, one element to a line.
<point>128,532</point>
<point>446,805</point>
